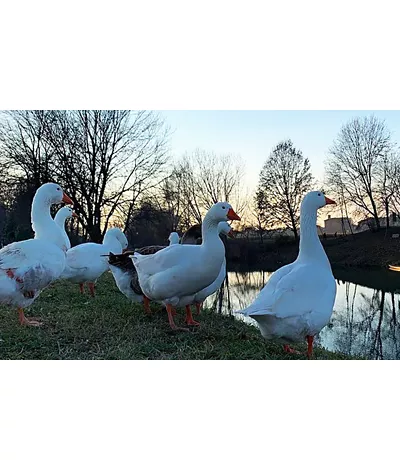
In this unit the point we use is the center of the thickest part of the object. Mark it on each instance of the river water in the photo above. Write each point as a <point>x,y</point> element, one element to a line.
<point>366,316</point>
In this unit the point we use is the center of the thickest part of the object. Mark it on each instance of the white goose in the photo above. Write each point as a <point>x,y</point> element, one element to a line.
<point>200,297</point>
<point>62,215</point>
<point>297,301</point>
<point>125,274</point>
<point>182,270</point>
<point>88,261</point>
<point>173,238</point>
<point>29,266</point>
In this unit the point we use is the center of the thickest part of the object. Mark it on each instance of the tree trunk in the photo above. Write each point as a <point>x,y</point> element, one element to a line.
<point>347,215</point>
<point>387,214</point>
<point>375,212</point>
<point>294,228</point>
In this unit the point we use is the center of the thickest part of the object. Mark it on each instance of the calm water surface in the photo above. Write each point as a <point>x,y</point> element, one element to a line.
<point>366,315</point>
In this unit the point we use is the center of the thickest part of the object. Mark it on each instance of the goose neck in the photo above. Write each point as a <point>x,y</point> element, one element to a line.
<point>209,230</point>
<point>44,225</point>
<point>310,244</point>
<point>60,220</point>
<point>40,213</point>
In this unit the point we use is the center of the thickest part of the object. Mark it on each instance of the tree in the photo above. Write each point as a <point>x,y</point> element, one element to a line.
<point>356,155</point>
<point>105,160</point>
<point>18,212</point>
<point>170,199</point>
<point>336,187</point>
<point>200,180</point>
<point>23,147</point>
<point>284,179</point>
<point>262,219</point>
<point>148,225</point>
<point>217,178</point>
<point>388,179</point>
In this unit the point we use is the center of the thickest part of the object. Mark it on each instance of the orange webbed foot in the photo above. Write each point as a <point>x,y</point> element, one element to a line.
<point>189,318</point>
<point>91,288</point>
<point>290,350</point>
<point>146,304</point>
<point>310,342</point>
<point>28,321</point>
<point>170,308</point>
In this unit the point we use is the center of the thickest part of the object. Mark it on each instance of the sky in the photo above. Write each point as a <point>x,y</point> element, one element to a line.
<point>253,134</point>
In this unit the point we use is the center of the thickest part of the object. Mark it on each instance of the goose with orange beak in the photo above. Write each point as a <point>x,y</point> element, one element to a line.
<point>187,301</point>
<point>201,296</point>
<point>29,266</point>
<point>180,271</point>
<point>297,301</point>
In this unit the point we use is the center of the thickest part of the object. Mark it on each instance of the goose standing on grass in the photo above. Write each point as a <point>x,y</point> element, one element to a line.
<point>125,274</point>
<point>183,270</point>
<point>200,297</point>
<point>297,301</point>
<point>62,215</point>
<point>87,262</point>
<point>29,266</point>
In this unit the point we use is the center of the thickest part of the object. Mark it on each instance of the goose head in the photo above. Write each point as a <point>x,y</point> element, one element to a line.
<point>173,238</point>
<point>63,214</point>
<point>221,212</point>
<point>116,233</point>
<point>42,223</point>
<point>226,229</point>
<point>314,200</point>
<point>51,193</point>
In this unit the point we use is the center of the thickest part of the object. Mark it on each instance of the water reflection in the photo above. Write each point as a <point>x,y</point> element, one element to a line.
<point>365,317</point>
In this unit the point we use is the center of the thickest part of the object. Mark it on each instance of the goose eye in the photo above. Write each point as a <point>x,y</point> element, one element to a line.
<point>319,194</point>
<point>223,207</point>
<point>58,189</point>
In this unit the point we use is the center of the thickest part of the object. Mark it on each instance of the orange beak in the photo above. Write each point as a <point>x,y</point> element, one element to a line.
<point>74,214</point>
<point>231,234</point>
<point>232,215</point>
<point>329,201</point>
<point>66,199</point>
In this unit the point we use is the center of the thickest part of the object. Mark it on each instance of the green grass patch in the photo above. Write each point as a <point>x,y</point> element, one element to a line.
<point>110,327</point>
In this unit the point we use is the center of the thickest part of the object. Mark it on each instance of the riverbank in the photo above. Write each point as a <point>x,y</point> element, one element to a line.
<point>361,250</point>
<point>110,327</point>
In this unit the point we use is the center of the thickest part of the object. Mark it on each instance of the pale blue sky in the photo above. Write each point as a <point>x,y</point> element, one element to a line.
<point>253,134</point>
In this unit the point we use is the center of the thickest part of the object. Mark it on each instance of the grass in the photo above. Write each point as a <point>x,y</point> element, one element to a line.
<point>110,327</point>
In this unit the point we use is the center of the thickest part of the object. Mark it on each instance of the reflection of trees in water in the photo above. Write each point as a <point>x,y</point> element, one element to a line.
<point>344,343</point>
<point>221,300</point>
<point>365,324</point>
<point>238,291</point>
